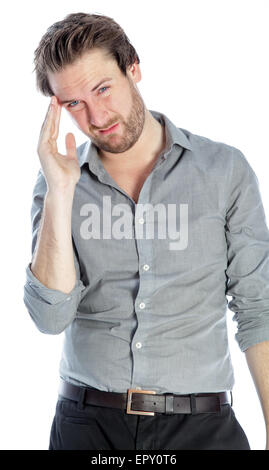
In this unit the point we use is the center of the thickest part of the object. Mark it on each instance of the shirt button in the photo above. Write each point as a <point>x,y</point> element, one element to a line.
<point>68,298</point>
<point>138,345</point>
<point>141,221</point>
<point>146,267</point>
<point>142,305</point>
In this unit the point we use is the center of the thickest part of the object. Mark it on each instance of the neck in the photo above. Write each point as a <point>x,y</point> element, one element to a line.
<point>144,152</point>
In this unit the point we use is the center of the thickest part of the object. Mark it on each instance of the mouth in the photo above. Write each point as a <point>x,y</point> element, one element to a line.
<point>109,130</point>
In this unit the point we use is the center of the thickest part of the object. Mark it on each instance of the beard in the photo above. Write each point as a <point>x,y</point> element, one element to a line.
<point>132,127</point>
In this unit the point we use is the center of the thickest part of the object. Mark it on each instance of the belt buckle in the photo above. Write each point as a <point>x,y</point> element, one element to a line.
<point>129,402</point>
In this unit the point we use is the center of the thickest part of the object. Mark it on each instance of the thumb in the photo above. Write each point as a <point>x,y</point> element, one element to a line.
<point>70,143</point>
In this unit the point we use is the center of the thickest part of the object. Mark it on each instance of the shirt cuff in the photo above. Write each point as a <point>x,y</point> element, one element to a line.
<point>257,335</point>
<point>51,296</point>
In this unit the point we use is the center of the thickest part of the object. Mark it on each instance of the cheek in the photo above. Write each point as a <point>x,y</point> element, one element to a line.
<point>79,118</point>
<point>122,103</point>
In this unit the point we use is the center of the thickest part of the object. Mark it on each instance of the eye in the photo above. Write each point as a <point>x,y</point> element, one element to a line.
<point>73,104</point>
<point>103,89</point>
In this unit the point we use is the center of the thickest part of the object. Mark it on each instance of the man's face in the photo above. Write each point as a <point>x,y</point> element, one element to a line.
<point>97,95</point>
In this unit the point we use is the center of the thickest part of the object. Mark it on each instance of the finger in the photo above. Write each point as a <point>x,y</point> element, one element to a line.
<point>70,143</point>
<point>44,134</point>
<point>48,125</point>
<point>55,132</point>
<point>48,112</point>
<point>46,142</point>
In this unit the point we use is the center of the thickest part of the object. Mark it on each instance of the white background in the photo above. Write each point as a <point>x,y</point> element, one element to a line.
<point>205,65</point>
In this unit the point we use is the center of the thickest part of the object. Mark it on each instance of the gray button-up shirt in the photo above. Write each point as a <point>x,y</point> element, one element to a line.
<point>149,306</point>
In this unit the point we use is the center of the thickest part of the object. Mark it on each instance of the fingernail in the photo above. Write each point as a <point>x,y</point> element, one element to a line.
<point>52,101</point>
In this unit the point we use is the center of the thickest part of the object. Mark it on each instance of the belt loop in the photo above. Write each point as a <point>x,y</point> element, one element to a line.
<point>82,393</point>
<point>193,403</point>
<point>169,403</point>
<point>232,400</point>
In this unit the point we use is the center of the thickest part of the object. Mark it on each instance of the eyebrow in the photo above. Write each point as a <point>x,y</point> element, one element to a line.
<point>106,79</point>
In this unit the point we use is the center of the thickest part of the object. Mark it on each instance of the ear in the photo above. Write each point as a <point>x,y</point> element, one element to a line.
<point>134,72</point>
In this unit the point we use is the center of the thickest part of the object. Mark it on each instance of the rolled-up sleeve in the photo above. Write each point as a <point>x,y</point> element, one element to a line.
<point>50,309</point>
<point>247,239</point>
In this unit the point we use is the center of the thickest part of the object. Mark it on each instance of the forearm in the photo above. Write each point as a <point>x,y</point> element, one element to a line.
<point>257,357</point>
<point>53,262</point>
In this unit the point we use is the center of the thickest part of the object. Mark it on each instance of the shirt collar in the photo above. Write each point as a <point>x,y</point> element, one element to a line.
<point>88,152</point>
<point>173,134</point>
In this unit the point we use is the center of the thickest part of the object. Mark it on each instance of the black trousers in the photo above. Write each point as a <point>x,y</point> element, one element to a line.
<point>100,428</point>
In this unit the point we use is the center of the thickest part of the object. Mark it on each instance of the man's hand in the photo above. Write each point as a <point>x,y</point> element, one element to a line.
<point>60,171</point>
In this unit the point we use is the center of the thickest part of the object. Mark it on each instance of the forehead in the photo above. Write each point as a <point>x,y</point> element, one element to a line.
<point>87,70</point>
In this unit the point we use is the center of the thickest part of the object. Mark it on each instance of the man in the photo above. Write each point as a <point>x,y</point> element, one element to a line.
<point>141,299</point>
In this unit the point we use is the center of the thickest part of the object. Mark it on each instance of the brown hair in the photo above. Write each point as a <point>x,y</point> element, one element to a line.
<point>67,40</point>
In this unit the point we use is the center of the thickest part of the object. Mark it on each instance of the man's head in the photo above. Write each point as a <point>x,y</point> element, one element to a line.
<point>88,63</point>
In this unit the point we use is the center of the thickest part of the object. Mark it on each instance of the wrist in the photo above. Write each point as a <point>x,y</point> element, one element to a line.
<point>58,204</point>
<point>61,194</point>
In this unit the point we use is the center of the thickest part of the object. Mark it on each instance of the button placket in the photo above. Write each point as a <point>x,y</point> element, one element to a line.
<point>143,302</point>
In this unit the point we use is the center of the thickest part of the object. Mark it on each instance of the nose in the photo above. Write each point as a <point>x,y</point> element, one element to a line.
<point>97,114</point>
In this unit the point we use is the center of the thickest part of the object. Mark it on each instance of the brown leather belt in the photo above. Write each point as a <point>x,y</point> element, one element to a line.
<point>146,402</point>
